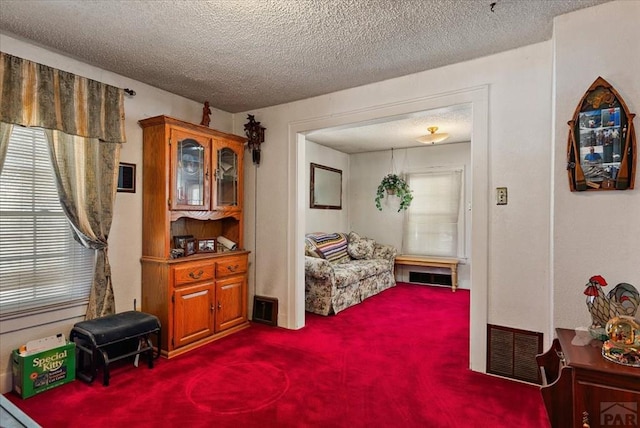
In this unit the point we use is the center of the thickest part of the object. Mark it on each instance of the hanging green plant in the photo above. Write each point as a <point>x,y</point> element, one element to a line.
<point>393,184</point>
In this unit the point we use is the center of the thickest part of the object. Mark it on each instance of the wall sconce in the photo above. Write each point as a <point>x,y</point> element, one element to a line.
<point>255,137</point>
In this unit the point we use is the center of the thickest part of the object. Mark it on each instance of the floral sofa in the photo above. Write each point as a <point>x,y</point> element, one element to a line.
<point>343,270</point>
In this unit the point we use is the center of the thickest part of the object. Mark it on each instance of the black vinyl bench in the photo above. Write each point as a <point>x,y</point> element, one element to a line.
<point>106,337</point>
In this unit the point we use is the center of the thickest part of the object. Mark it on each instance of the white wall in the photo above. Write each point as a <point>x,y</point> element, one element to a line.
<point>125,239</point>
<point>323,220</point>
<point>594,232</point>
<point>368,169</point>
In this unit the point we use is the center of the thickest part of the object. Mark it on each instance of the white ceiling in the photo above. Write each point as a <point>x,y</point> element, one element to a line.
<point>397,132</point>
<point>242,55</point>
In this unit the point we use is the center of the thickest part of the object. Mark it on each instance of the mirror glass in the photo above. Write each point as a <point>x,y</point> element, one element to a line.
<point>326,187</point>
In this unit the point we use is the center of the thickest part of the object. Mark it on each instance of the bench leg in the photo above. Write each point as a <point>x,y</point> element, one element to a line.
<point>149,352</point>
<point>82,352</point>
<point>105,368</point>
<point>454,277</point>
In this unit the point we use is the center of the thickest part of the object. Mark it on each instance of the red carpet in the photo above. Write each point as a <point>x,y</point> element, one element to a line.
<point>399,359</point>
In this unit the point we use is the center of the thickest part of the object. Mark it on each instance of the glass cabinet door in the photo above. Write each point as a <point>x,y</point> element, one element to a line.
<point>227,173</point>
<point>191,172</point>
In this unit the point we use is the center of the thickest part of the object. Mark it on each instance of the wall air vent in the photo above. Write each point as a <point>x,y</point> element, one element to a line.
<point>265,310</point>
<point>512,353</point>
<point>429,278</point>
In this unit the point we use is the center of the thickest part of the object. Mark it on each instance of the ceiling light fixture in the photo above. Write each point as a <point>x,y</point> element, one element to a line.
<point>432,137</point>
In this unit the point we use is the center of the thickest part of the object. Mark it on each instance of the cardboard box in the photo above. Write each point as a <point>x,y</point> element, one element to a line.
<point>41,371</point>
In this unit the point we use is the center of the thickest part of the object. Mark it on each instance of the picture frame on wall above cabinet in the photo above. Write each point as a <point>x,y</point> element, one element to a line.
<point>601,149</point>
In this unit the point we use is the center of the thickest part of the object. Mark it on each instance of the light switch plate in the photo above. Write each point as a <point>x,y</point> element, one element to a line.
<point>501,196</point>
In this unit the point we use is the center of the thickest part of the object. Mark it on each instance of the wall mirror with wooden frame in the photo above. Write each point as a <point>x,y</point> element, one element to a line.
<point>601,152</point>
<point>326,187</point>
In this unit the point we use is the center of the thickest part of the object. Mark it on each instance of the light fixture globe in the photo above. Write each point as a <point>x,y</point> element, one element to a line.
<point>432,137</point>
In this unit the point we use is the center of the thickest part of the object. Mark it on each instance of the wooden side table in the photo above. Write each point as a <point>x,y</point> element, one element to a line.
<point>451,264</point>
<point>580,388</point>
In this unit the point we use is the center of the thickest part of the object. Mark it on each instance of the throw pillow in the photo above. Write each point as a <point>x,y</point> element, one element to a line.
<point>360,248</point>
<point>332,246</point>
<point>310,249</point>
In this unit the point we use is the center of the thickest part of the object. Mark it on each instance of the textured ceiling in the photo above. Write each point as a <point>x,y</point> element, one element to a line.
<point>242,55</point>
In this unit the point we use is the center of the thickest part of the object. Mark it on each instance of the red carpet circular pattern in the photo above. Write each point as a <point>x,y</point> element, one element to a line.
<point>237,388</point>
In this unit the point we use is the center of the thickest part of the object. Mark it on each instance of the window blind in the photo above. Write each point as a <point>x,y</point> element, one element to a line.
<point>41,265</point>
<point>433,223</point>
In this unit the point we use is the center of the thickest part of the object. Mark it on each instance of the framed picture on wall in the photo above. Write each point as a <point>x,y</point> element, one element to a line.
<point>602,146</point>
<point>326,187</point>
<point>127,177</point>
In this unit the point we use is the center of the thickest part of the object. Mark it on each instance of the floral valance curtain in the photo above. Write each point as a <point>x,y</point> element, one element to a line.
<point>37,95</point>
<point>84,123</point>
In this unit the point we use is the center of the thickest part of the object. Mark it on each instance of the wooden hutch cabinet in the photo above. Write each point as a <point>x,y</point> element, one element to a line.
<point>192,187</point>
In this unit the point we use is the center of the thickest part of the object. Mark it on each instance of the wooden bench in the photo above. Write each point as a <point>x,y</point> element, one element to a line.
<point>439,262</point>
<point>104,338</point>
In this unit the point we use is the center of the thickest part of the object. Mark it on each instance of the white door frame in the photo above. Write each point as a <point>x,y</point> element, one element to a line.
<point>478,97</point>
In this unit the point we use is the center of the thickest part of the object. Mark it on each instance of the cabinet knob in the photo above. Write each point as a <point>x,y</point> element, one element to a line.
<point>233,268</point>
<point>194,275</point>
<point>219,305</point>
<point>212,308</point>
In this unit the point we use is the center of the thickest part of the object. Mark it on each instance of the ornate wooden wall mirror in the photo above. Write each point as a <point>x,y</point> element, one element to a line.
<point>601,152</point>
<point>326,187</point>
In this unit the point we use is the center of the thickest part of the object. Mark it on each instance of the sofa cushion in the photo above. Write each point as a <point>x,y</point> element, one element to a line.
<point>360,248</point>
<point>331,246</point>
<point>357,270</point>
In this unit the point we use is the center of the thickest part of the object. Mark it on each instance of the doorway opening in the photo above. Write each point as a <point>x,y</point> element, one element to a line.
<point>478,98</point>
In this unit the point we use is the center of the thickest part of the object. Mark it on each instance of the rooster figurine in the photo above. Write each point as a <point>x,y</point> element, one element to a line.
<point>623,299</point>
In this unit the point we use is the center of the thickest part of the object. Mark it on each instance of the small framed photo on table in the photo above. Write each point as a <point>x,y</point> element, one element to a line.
<point>180,240</point>
<point>190,246</point>
<point>207,245</point>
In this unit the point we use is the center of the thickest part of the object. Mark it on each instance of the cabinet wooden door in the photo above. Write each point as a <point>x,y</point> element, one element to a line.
<point>602,405</point>
<point>193,313</point>
<point>190,170</point>
<point>231,296</point>
<point>228,170</point>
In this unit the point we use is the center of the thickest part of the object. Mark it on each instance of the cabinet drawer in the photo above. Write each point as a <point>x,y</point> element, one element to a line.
<point>231,266</point>
<point>191,273</point>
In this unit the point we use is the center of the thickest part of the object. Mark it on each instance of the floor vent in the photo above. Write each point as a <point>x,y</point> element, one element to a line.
<point>512,353</point>
<point>429,278</point>
<point>265,310</point>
